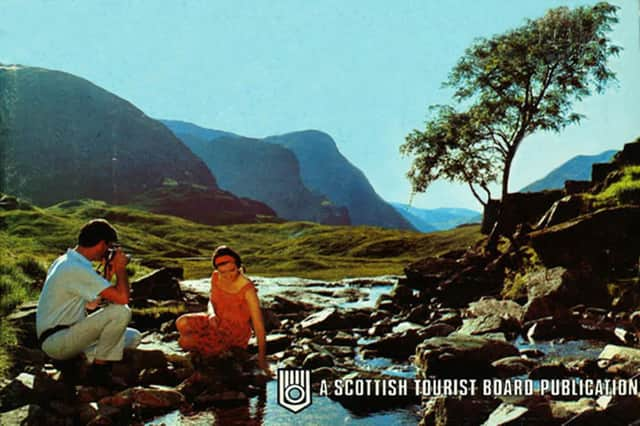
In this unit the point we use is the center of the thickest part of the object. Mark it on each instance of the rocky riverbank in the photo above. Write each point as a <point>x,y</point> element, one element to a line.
<point>352,329</point>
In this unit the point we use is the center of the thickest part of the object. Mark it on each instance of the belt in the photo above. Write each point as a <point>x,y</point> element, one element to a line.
<point>49,332</point>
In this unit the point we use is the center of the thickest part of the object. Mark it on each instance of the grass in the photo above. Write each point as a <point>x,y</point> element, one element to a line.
<point>32,237</point>
<point>626,190</point>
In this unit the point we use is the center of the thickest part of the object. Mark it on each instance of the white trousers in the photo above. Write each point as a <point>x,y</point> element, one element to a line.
<point>102,335</point>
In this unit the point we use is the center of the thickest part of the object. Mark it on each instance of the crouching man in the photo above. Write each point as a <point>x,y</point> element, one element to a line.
<point>64,329</point>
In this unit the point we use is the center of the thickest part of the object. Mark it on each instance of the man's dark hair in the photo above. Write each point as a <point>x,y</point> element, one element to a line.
<point>95,231</point>
<point>225,251</point>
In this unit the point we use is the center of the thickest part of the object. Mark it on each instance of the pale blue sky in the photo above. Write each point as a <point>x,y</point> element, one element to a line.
<point>362,71</point>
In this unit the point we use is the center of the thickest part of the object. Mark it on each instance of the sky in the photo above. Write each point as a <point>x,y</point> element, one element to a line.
<point>364,72</point>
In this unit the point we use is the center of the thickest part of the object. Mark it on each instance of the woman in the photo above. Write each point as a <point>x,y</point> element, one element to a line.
<point>233,305</point>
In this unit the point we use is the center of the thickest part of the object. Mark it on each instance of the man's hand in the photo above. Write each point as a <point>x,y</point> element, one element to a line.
<point>119,262</point>
<point>93,305</point>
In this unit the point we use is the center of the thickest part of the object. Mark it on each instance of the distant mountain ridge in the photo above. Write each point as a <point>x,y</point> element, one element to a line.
<point>440,219</point>
<point>258,170</point>
<point>577,168</point>
<point>323,170</point>
<point>65,138</point>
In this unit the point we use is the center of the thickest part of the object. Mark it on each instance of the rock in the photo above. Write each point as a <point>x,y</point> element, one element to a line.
<point>323,373</point>
<point>14,416</point>
<point>387,305</point>
<point>316,360</point>
<point>46,386</point>
<point>397,346</point>
<point>517,208</point>
<point>549,371</point>
<point>327,319</point>
<point>158,376</point>
<point>140,359</point>
<point>565,209</point>
<point>551,292</point>
<point>620,360</point>
<point>452,318</point>
<point>419,314</point>
<point>507,309</point>
<point>614,353</point>
<point>635,320</point>
<point>550,328</point>
<point>438,329</point>
<point>92,393</point>
<point>406,326</point>
<point>450,410</point>
<point>487,324</point>
<point>86,413</point>
<point>275,343</point>
<point>282,305</point>
<point>156,399</point>
<point>343,339</point>
<point>18,392</point>
<point>506,414</point>
<point>605,239</point>
<point>161,284</point>
<point>513,366</point>
<point>403,295</point>
<point>460,356</point>
<point>341,351</point>
<point>532,353</point>
<point>23,319</point>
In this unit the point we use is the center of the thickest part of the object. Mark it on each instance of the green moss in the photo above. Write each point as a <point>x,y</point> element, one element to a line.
<point>624,191</point>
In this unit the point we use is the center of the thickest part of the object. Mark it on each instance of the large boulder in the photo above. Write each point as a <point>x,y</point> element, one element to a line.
<point>517,208</point>
<point>327,319</point>
<point>564,209</point>
<point>161,284</point>
<point>460,356</point>
<point>452,410</point>
<point>552,291</point>
<point>606,239</point>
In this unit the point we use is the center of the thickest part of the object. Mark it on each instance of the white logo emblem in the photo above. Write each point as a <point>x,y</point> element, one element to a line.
<point>294,389</point>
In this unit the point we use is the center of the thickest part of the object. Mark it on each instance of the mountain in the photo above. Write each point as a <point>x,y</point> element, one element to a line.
<point>261,171</point>
<point>577,168</point>
<point>65,138</point>
<point>325,170</point>
<point>429,220</point>
<point>202,133</point>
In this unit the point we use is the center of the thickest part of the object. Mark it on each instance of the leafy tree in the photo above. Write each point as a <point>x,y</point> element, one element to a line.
<point>508,87</point>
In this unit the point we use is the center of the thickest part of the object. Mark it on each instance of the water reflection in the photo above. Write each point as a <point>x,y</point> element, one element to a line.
<point>264,410</point>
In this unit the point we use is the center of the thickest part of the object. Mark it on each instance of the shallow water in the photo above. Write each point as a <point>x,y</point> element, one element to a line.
<point>569,349</point>
<point>266,411</point>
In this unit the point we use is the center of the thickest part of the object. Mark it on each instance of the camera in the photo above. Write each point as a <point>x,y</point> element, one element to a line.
<point>111,253</point>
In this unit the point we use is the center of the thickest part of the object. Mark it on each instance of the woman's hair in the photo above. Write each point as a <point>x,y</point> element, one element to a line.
<point>226,251</point>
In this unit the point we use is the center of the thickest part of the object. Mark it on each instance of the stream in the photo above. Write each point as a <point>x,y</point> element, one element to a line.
<point>345,294</point>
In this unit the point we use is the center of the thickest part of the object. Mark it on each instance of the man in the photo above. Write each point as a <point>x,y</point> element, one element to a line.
<point>64,329</point>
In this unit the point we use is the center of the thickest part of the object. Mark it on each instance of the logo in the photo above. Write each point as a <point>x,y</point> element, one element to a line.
<point>294,389</point>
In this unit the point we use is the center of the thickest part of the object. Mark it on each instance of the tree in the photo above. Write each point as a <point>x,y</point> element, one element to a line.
<point>508,87</point>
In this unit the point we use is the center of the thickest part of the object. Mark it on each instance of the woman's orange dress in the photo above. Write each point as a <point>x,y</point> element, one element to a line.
<point>230,327</point>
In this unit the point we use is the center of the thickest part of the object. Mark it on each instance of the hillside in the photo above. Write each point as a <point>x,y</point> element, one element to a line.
<point>294,248</point>
<point>66,138</point>
<point>577,168</point>
<point>325,170</point>
<point>261,171</point>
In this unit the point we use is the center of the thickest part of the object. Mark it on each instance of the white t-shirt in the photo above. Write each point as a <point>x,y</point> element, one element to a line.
<point>71,282</point>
